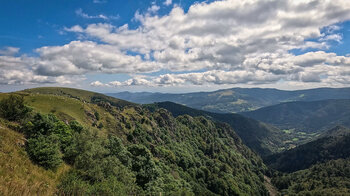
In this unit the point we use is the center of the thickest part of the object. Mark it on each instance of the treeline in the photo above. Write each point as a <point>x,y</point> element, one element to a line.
<point>155,154</point>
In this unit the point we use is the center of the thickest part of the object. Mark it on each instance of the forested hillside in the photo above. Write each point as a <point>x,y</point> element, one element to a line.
<point>333,145</point>
<point>92,144</point>
<point>320,167</point>
<point>329,178</point>
<point>262,138</point>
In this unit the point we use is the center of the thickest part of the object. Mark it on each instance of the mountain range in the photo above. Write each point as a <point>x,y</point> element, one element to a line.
<point>306,116</point>
<point>236,99</point>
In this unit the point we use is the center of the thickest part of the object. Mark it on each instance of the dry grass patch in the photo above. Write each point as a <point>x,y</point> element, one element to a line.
<point>18,175</point>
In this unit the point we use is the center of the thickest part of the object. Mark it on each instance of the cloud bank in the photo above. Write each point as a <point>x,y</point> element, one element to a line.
<point>223,42</point>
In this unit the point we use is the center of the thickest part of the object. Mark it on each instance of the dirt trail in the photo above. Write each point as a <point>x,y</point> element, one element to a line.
<point>269,186</point>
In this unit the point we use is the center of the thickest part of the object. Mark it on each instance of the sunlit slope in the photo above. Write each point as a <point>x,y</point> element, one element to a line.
<point>79,94</point>
<point>75,104</point>
<point>18,175</point>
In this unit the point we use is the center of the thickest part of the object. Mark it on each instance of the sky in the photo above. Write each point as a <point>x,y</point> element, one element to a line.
<point>174,45</point>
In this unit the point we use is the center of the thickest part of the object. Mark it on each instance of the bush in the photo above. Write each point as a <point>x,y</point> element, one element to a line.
<point>117,149</point>
<point>45,151</point>
<point>48,125</point>
<point>13,108</point>
<point>97,116</point>
<point>143,165</point>
<point>75,126</point>
<point>72,184</point>
<point>96,171</point>
<point>40,125</point>
<point>100,125</point>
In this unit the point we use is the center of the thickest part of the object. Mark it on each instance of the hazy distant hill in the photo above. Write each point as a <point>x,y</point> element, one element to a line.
<point>262,138</point>
<point>236,99</point>
<point>305,116</point>
<point>333,144</point>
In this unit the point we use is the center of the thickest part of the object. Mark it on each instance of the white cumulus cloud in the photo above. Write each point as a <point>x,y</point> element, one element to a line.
<point>222,42</point>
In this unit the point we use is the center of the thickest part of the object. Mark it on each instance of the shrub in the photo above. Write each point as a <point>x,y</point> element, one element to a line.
<point>75,126</point>
<point>100,125</point>
<point>45,151</point>
<point>13,108</point>
<point>40,125</point>
<point>143,165</point>
<point>97,116</point>
<point>117,149</point>
<point>48,125</point>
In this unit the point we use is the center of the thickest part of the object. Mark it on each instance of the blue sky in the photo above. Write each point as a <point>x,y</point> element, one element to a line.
<point>33,24</point>
<point>174,46</point>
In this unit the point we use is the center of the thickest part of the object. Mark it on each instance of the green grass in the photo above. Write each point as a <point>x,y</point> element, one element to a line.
<point>287,131</point>
<point>68,108</point>
<point>82,95</point>
<point>59,105</point>
<point>18,175</point>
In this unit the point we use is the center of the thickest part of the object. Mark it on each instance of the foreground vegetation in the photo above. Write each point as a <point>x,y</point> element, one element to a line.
<point>18,174</point>
<point>133,152</point>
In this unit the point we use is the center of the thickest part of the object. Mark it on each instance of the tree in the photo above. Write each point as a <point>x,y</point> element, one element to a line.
<point>116,148</point>
<point>97,116</point>
<point>45,151</point>
<point>64,133</point>
<point>96,171</point>
<point>143,165</point>
<point>75,126</point>
<point>13,108</point>
<point>40,125</point>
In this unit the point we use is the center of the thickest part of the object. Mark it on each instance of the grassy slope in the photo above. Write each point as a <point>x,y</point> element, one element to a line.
<point>74,93</point>
<point>18,175</point>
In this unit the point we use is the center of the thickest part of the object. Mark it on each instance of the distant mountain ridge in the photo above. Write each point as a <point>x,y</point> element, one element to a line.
<point>310,116</point>
<point>236,99</point>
